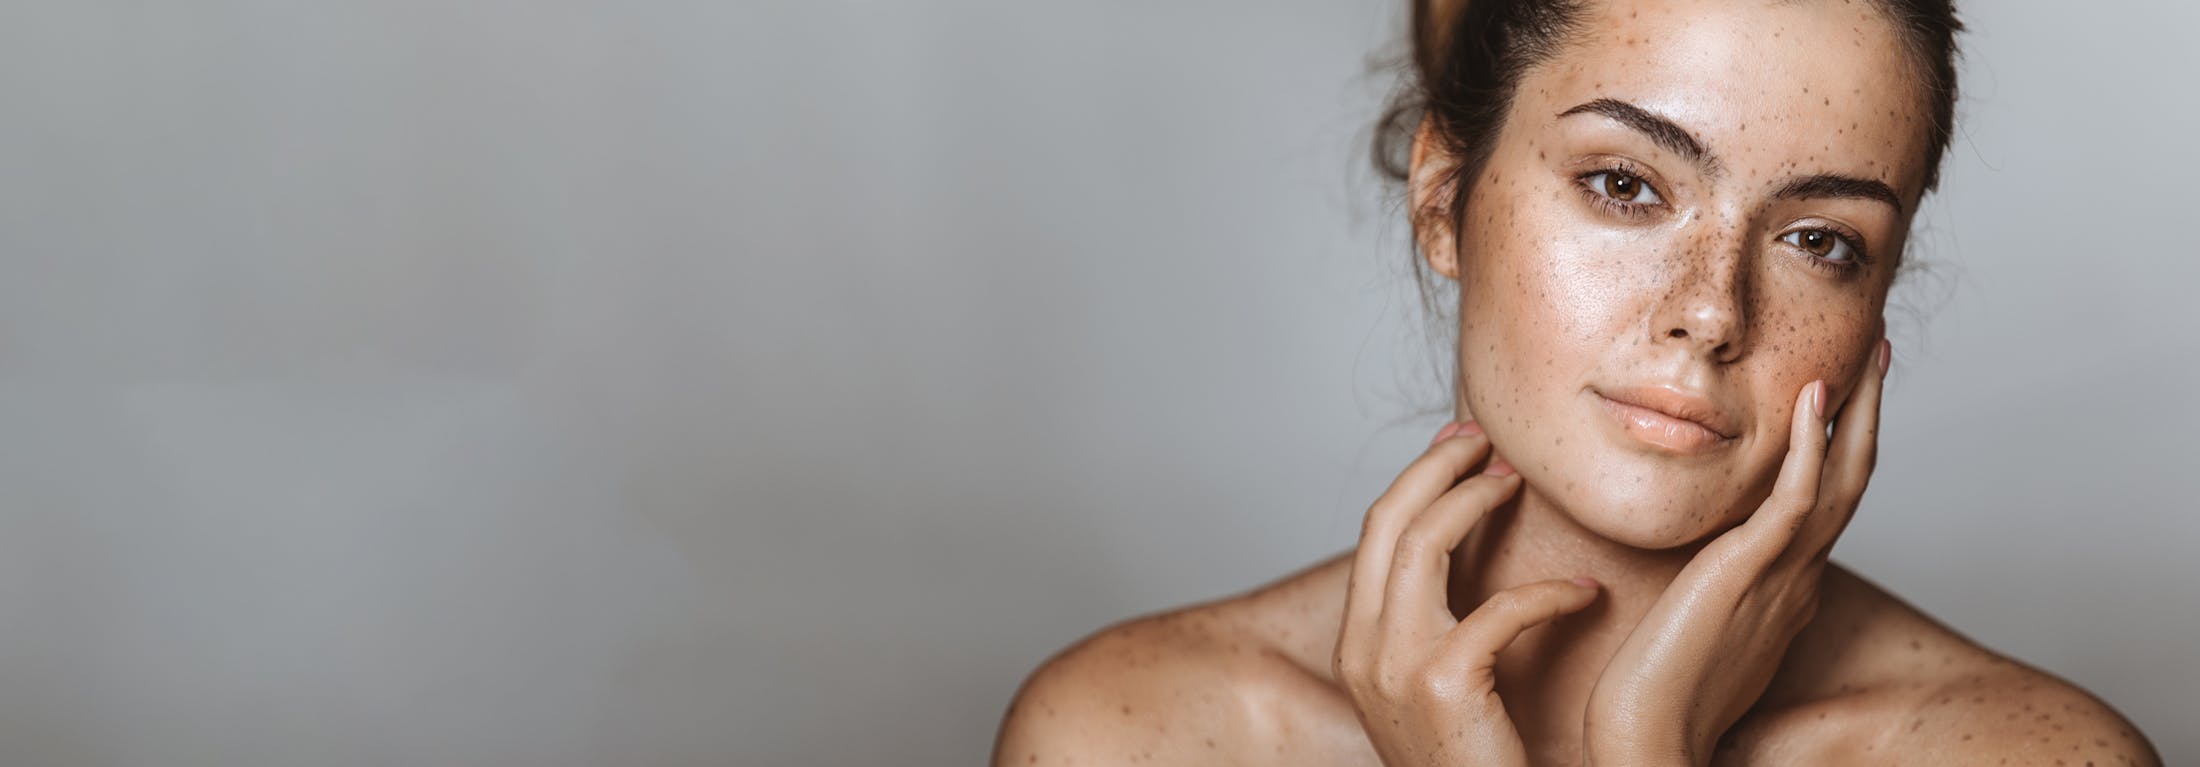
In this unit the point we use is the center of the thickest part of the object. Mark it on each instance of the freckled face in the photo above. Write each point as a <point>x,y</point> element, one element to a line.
<point>1597,257</point>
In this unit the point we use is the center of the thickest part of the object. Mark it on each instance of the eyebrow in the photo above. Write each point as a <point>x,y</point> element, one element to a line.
<point>1678,140</point>
<point>1662,131</point>
<point>1834,185</point>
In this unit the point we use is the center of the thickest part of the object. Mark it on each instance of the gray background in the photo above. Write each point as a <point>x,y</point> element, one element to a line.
<point>653,383</point>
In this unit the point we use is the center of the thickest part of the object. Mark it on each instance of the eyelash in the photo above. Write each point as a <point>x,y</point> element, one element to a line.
<point>1632,211</point>
<point>1635,211</point>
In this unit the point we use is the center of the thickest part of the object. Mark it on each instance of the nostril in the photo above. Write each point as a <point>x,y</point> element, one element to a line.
<point>1677,333</point>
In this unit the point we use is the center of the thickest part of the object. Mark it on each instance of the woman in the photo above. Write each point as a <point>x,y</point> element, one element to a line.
<point>1672,225</point>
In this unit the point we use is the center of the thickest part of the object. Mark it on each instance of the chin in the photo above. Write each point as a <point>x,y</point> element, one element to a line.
<point>1646,507</point>
<point>1650,525</point>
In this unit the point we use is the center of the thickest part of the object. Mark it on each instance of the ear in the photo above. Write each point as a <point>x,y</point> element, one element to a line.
<point>1430,204</point>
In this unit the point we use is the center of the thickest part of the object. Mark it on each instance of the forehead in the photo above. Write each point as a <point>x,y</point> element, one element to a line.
<point>1770,87</point>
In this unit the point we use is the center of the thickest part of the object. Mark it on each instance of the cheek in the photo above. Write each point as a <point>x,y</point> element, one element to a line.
<point>1537,290</point>
<point>1807,335</point>
<point>1541,305</point>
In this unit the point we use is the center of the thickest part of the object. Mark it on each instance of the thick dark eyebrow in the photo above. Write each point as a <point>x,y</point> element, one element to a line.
<point>1833,185</point>
<point>1663,132</point>
<point>1678,140</point>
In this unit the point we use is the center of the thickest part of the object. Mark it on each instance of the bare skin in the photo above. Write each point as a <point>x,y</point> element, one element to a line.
<point>1247,680</point>
<point>1704,198</point>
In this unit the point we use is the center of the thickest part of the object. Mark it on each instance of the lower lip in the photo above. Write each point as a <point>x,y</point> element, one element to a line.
<point>1659,429</point>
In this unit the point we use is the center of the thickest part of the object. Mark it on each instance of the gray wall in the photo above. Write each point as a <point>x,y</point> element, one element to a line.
<point>527,383</point>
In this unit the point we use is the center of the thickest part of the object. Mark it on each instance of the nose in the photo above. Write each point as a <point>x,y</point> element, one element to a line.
<point>1703,307</point>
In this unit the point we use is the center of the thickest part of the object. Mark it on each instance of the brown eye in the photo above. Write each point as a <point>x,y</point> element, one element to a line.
<point>1816,241</point>
<point>1824,245</point>
<point>1623,188</point>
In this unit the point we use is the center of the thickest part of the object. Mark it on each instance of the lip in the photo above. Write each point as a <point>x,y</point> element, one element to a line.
<point>1670,418</point>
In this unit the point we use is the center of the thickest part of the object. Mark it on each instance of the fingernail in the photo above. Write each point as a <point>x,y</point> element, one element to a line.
<point>1498,467</point>
<point>1886,356</point>
<point>1818,398</point>
<point>1585,581</point>
<point>1470,427</point>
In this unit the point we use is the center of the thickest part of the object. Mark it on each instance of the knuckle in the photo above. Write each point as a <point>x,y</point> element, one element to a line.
<point>1418,540</point>
<point>1359,691</point>
<point>1768,553</point>
<point>1387,682</point>
<point>1789,517</point>
<point>1793,523</point>
<point>1355,674</point>
<point>1408,566</point>
<point>1377,515</point>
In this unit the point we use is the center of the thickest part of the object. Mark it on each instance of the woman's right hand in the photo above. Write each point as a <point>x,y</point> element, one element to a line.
<point>1425,684</point>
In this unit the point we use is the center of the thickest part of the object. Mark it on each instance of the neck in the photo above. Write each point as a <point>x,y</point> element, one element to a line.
<point>1545,676</point>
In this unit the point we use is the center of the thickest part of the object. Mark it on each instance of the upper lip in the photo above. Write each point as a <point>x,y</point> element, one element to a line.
<point>1678,403</point>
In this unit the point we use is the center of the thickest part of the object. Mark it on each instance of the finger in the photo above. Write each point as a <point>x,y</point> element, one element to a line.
<point>1448,430</point>
<point>1853,453</point>
<point>1775,524</point>
<point>1414,600</point>
<point>1471,647</point>
<point>1422,482</point>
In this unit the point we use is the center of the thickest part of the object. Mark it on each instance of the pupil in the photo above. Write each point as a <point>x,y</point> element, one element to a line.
<point>1623,187</point>
<point>1815,241</point>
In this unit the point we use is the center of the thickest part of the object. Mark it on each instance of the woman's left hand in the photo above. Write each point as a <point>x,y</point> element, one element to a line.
<point>1710,644</point>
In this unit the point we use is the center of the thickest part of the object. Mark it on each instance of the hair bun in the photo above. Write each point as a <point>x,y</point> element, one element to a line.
<point>1432,21</point>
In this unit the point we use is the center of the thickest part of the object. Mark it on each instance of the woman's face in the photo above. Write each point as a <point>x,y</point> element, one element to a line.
<point>1697,206</point>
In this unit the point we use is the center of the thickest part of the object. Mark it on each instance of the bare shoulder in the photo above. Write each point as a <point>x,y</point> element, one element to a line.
<point>1875,680</point>
<point>2020,716</point>
<point>1237,680</point>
